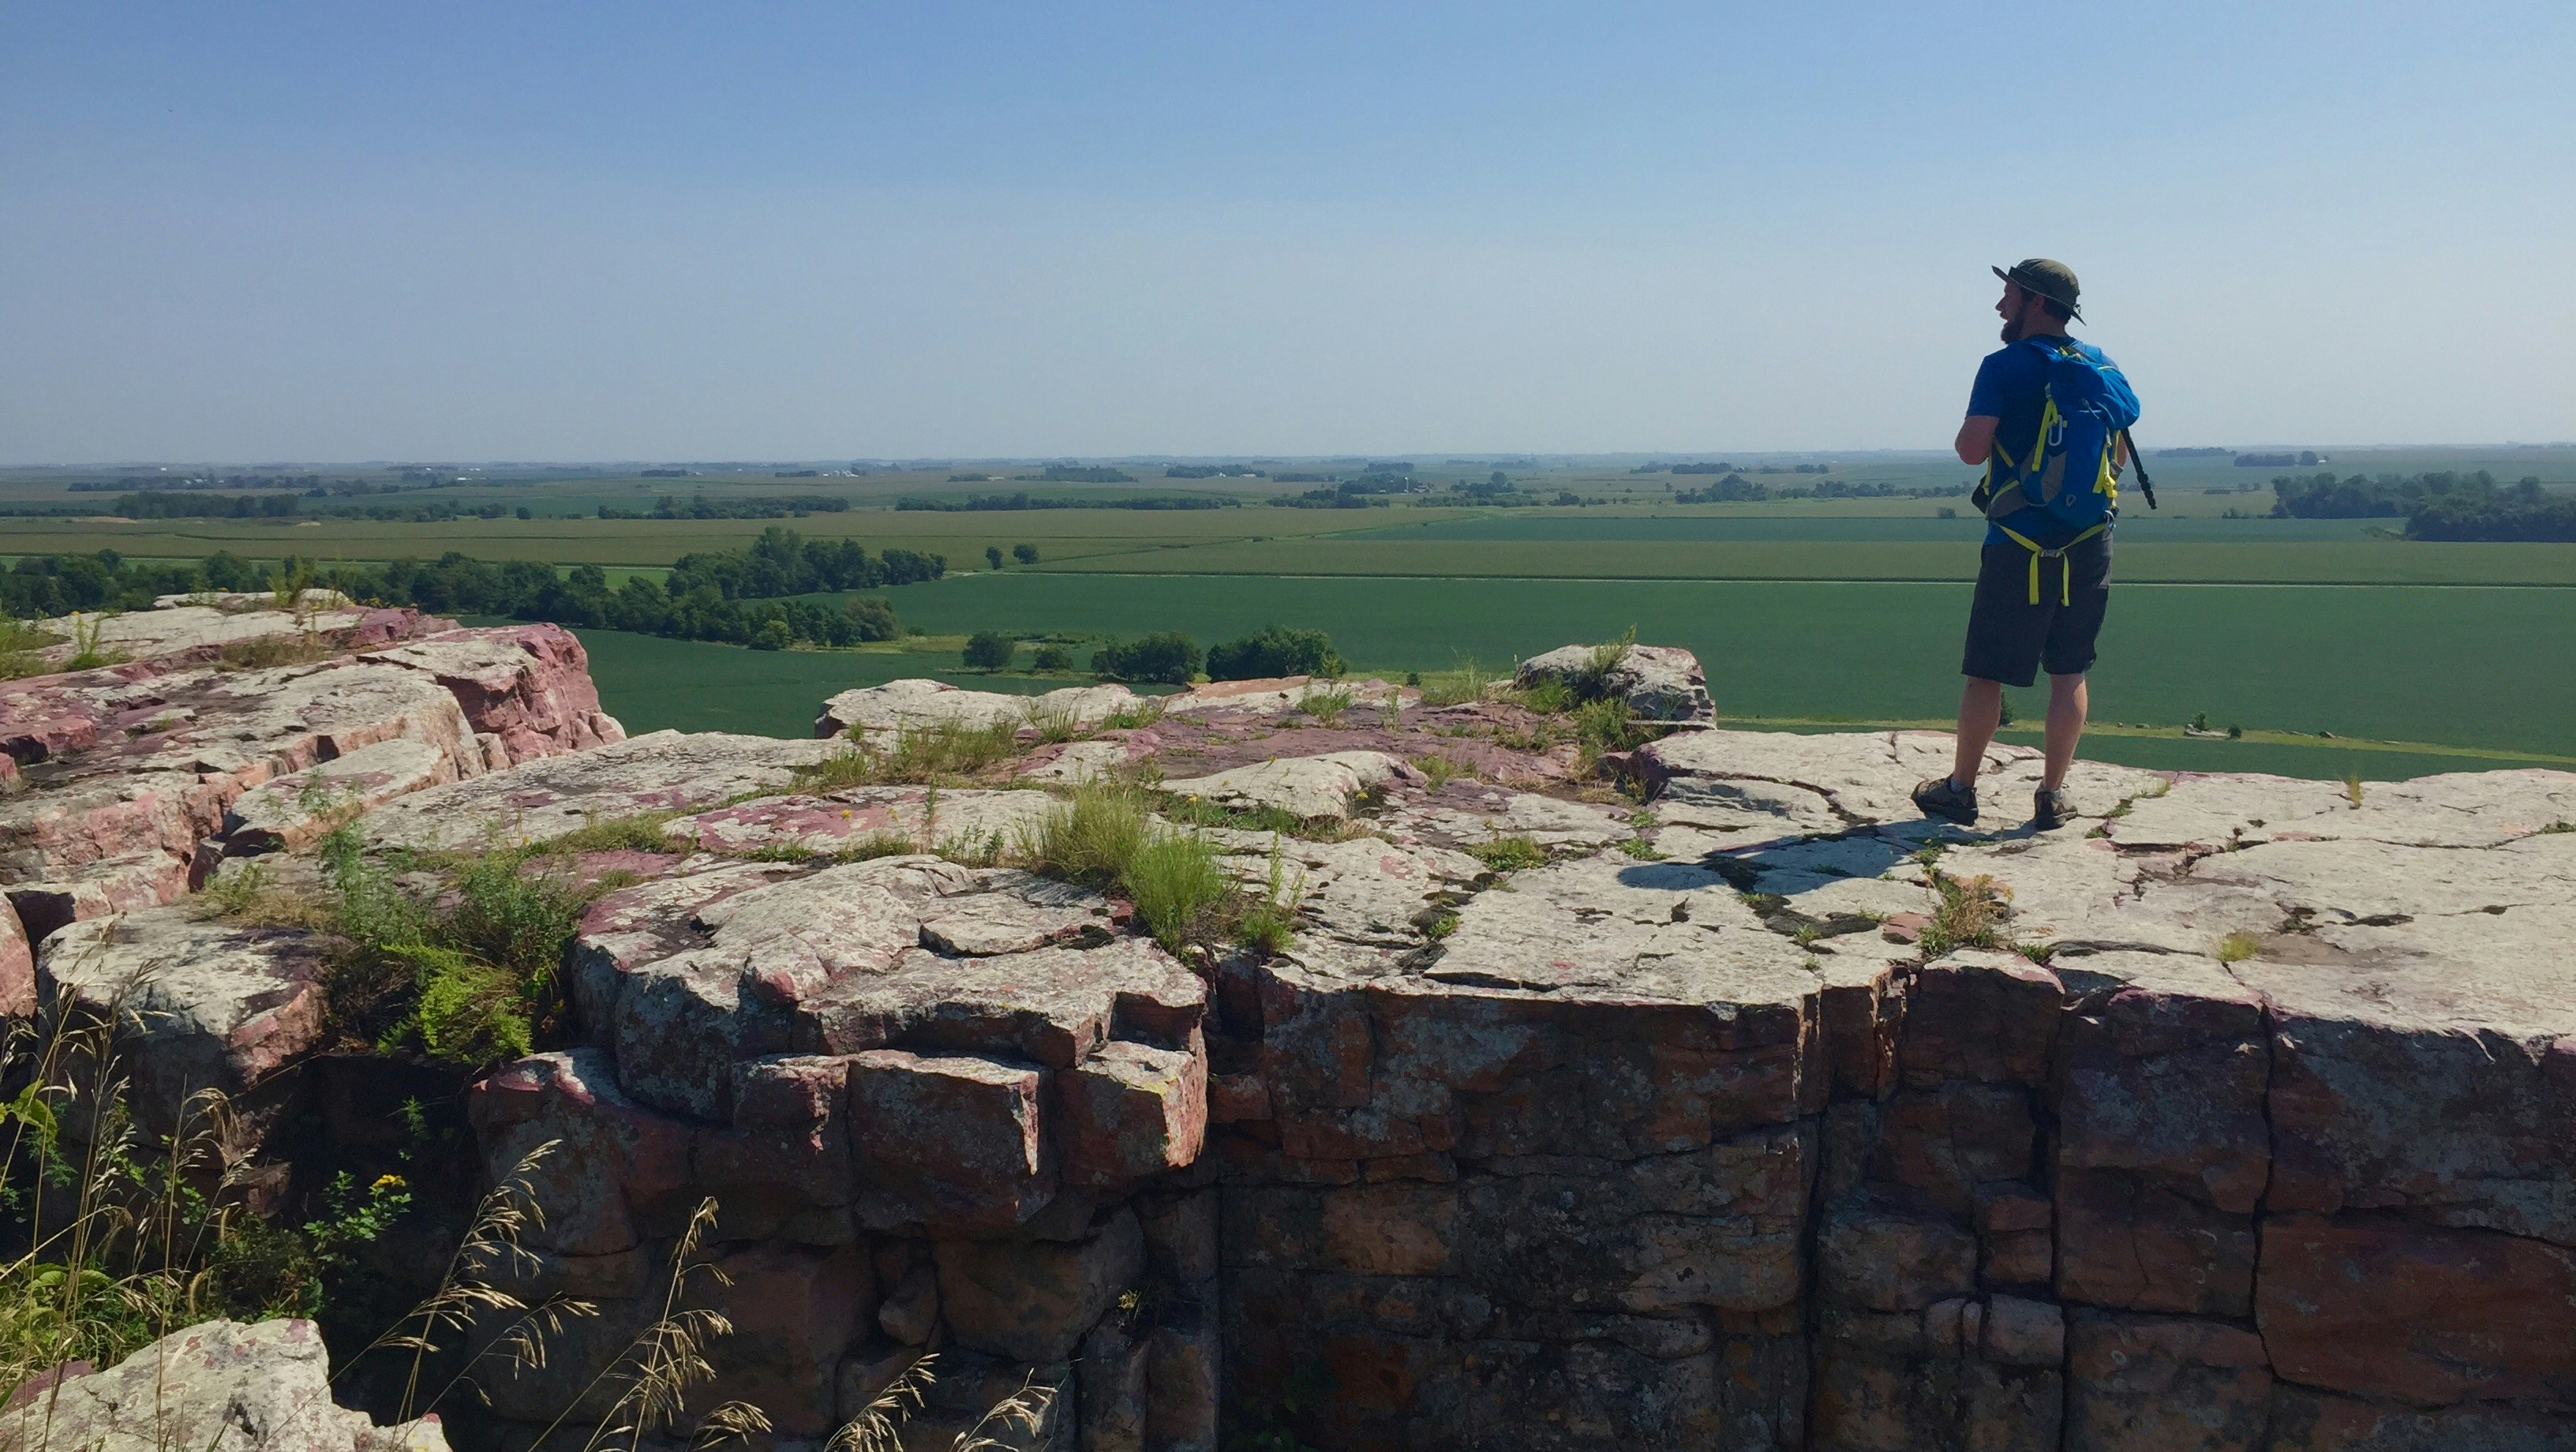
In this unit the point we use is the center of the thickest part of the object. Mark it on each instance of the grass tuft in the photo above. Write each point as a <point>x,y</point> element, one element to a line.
<point>943,752</point>
<point>1460,684</point>
<point>1509,854</point>
<point>1970,915</point>
<point>1326,707</point>
<point>1442,770</point>
<point>2237,947</point>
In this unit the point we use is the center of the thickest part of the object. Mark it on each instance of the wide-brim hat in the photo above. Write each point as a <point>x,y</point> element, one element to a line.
<point>2050,279</point>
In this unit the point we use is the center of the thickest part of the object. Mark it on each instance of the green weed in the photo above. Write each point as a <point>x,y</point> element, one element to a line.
<point>1089,838</point>
<point>1641,849</point>
<point>944,751</point>
<point>1970,915</point>
<point>1509,854</point>
<point>19,643</point>
<point>1177,887</point>
<point>1442,770</point>
<point>1460,684</point>
<point>87,651</point>
<point>1326,707</point>
<point>1144,713</point>
<point>1269,921</point>
<point>641,832</point>
<point>2237,947</point>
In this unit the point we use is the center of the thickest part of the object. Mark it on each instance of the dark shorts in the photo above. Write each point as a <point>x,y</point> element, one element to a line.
<point>2010,639</point>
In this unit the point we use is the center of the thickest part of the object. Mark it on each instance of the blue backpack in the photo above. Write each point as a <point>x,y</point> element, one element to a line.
<point>2066,468</point>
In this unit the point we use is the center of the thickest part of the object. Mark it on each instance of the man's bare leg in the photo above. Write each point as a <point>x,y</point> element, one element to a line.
<point>2067,702</point>
<point>1981,710</point>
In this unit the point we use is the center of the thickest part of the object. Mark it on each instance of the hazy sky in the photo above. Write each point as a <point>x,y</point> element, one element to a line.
<point>699,231</point>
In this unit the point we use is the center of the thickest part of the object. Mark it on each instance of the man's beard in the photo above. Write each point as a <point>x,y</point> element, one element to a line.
<point>2016,327</point>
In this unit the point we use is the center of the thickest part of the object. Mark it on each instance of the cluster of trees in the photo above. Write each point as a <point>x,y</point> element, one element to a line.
<point>434,512</point>
<point>1167,656</point>
<point>1026,554</point>
<point>1023,500</point>
<point>2441,506</point>
<point>700,507</point>
<point>1172,658</point>
<point>1077,474</point>
<point>188,504</point>
<point>1274,651</point>
<point>1211,471</point>
<point>42,585</point>
<point>783,562</point>
<point>679,609</point>
<point>1733,489</point>
<point>1333,496</point>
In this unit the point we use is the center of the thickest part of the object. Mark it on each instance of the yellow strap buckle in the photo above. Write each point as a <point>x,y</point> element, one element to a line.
<point>2065,572</point>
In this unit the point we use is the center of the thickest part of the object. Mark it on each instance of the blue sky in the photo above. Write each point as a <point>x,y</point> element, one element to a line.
<point>643,231</point>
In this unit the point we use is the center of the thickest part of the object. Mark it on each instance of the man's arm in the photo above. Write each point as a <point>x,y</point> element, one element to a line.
<point>1976,438</point>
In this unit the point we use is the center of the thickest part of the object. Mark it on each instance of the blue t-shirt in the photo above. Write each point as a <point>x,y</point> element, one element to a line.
<point>2011,388</point>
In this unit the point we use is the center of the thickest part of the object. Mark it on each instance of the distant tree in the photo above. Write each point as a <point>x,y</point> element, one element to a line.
<point>1274,651</point>
<point>1051,658</point>
<point>989,650</point>
<point>993,555</point>
<point>1026,554</point>
<point>1168,656</point>
<point>1499,479</point>
<point>526,513</point>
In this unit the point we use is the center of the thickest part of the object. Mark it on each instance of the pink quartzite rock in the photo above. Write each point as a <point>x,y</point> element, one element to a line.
<point>2164,1384</point>
<point>17,966</point>
<point>131,774</point>
<point>1032,1300</point>
<point>217,1384</point>
<point>2424,1316</point>
<point>948,1141</point>
<point>204,1004</point>
<point>1130,1112</point>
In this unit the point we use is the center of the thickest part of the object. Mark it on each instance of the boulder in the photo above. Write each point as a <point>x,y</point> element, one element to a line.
<point>1658,682</point>
<point>879,713</point>
<point>216,1385</point>
<point>1305,787</point>
<point>538,801</point>
<point>198,1003</point>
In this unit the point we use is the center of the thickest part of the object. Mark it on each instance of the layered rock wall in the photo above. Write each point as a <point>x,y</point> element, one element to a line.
<point>2239,1114</point>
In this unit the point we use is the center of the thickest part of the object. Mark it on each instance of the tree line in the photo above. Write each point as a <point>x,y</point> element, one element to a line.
<point>730,596</point>
<point>2435,506</point>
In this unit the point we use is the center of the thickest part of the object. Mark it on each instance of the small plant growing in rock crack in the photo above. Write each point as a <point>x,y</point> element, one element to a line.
<point>1509,854</point>
<point>1641,849</point>
<point>641,832</point>
<point>470,973</point>
<point>943,751</point>
<point>2352,787</point>
<point>1442,924</point>
<point>1326,706</point>
<point>1269,921</point>
<point>1439,771</point>
<point>1970,915</point>
<point>2237,947</point>
<point>1461,683</point>
<point>1136,717</point>
<point>87,651</point>
<point>1592,682</point>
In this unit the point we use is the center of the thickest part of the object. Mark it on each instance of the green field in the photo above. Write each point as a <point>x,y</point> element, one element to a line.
<point>1806,611</point>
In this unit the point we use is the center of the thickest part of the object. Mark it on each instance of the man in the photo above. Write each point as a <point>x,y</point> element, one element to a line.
<point>2042,585</point>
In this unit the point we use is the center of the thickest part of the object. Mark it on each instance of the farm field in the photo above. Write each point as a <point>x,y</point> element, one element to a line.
<point>2488,668</point>
<point>1807,611</point>
<point>775,693</point>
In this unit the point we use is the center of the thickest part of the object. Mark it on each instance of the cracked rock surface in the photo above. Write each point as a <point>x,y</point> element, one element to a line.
<point>1745,1110</point>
